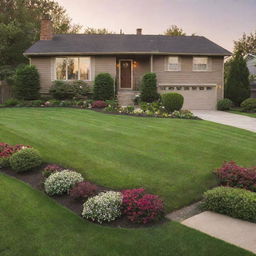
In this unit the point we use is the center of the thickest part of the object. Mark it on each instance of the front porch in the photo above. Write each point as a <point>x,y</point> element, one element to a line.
<point>130,70</point>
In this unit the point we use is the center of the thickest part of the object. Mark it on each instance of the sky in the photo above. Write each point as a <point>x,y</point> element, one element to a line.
<point>221,21</point>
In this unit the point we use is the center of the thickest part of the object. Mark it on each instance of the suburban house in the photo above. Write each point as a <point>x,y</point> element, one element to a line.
<point>189,65</point>
<point>251,64</point>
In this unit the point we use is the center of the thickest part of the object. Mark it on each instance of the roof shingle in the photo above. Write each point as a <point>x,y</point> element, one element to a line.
<point>123,44</point>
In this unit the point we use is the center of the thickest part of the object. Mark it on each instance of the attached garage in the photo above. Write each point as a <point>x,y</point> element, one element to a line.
<point>196,97</point>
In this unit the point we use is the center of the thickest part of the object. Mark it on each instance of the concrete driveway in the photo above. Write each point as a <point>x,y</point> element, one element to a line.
<point>240,121</point>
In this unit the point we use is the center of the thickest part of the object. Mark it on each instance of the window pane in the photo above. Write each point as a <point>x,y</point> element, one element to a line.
<point>85,68</point>
<point>173,63</point>
<point>72,68</point>
<point>200,63</point>
<point>61,68</point>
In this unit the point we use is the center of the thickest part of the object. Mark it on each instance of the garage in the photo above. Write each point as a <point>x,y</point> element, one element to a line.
<point>201,97</point>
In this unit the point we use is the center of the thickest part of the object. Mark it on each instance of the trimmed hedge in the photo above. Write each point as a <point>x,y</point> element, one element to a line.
<point>224,104</point>
<point>149,88</point>
<point>249,105</point>
<point>172,101</point>
<point>27,83</point>
<point>103,87</point>
<point>25,160</point>
<point>235,202</point>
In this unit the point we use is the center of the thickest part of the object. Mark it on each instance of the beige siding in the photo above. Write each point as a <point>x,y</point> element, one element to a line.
<point>186,76</point>
<point>105,65</point>
<point>43,65</point>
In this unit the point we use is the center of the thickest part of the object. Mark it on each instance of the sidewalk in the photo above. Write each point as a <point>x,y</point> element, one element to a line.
<point>238,232</point>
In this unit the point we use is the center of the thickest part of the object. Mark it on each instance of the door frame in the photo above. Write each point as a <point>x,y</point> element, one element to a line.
<point>119,75</point>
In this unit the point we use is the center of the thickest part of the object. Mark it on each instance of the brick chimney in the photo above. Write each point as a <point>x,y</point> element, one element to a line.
<point>139,31</point>
<point>46,28</point>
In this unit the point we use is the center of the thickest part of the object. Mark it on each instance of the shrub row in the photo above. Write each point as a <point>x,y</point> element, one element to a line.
<point>248,105</point>
<point>235,202</point>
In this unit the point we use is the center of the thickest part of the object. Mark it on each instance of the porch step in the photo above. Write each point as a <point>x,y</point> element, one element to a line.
<point>126,97</point>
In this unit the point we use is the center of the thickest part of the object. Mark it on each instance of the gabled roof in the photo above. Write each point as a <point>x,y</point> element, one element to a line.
<point>75,44</point>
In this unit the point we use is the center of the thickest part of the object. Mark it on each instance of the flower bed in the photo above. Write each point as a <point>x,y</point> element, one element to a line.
<point>128,208</point>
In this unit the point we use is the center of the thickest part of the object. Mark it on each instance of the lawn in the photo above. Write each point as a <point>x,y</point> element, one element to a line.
<point>170,157</point>
<point>33,224</point>
<point>243,113</point>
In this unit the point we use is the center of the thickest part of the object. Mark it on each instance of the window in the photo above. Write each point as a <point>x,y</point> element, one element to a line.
<point>173,64</point>
<point>186,88</point>
<point>73,68</point>
<point>201,88</point>
<point>200,64</point>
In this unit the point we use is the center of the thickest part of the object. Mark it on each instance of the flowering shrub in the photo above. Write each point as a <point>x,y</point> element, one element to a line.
<point>82,190</point>
<point>99,104</point>
<point>230,174</point>
<point>51,168</point>
<point>185,114</point>
<point>25,159</point>
<point>141,207</point>
<point>104,207</point>
<point>61,182</point>
<point>6,151</point>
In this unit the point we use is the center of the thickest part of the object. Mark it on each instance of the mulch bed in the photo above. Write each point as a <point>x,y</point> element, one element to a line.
<point>35,179</point>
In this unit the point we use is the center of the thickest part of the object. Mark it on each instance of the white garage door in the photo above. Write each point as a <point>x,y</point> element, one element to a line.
<point>202,97</point>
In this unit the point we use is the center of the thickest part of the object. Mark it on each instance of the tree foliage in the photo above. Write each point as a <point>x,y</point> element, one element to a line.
<point>103,87</point>
<point>237,80</point>
<point>101,31</point>
<point>20,26</point>
<point>174,31</point>
<point>149,88</point>
<point>246,44</point>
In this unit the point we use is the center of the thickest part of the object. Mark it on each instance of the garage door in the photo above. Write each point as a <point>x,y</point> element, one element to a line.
<point>202,97</point>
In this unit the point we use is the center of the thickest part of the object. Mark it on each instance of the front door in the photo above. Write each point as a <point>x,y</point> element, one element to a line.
<point>125,74</point>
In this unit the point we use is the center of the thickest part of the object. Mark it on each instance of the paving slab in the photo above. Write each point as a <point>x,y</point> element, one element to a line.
<point>238,232</point>
<point>239,121</point>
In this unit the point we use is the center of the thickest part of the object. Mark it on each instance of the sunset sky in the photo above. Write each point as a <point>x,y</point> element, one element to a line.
<point>222,21</point>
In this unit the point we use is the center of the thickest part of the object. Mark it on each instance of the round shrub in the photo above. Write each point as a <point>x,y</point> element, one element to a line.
<point>249,105</point>
<point>149,88</point>
<point>25,159</point>
<point>50,169</point>
<point>104,207</point>
<point>172,101</point>
<point>27,83</point>
<point>62,90</point>
<point>83,189</point>
<point>224,104</point>
<point>140,207</point>
<point>61,182</point>
<point>235,202</point>
<point>99,104</point>
<point>103,87</point>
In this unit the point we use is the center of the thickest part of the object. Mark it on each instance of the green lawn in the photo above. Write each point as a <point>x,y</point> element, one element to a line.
<point>170,157</point>
<point>34,225</point>
<point>243,113</point>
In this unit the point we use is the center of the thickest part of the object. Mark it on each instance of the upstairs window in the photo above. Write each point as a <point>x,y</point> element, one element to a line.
<point>73,68</point>
<point>173,64</point>
<point>200,64</point>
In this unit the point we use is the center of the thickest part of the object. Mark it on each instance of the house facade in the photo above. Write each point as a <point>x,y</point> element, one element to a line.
<point>190,65</point>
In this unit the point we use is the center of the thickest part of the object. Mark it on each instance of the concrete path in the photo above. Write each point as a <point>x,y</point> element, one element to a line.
<point>240,121</point>
<point>238,232</point>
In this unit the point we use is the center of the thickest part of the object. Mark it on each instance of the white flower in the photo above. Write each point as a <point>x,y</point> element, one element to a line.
<point>106,206</point>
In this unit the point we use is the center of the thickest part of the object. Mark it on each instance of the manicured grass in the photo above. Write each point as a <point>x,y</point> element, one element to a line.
<point>170,157</point>
<point>243,113</point>
<point>33,224</point>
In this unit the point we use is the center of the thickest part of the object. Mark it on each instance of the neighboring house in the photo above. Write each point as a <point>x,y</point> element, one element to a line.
<point>251,64</point>
<point>189,65</point>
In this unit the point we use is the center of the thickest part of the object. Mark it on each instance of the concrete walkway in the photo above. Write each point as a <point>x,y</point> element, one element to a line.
<point>238,232</point>
<point>240,121</point>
